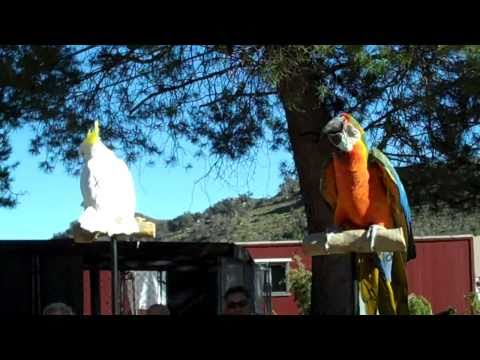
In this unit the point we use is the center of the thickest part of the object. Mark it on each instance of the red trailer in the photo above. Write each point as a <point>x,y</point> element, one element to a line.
<point>443,270</point>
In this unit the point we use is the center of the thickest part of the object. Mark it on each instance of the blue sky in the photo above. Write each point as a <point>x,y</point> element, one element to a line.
<point>52,201</point>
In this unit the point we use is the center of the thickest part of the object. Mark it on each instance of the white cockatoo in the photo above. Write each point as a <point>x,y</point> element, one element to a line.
<point>107,188</point>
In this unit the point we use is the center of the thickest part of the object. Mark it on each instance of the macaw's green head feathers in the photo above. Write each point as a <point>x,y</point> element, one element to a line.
<point>93,134</point>
<point>352,121</point>
<point>343,131</point>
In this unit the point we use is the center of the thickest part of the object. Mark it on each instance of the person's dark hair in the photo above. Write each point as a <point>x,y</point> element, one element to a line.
<point>158,309</point>
<point>235,290</point>
<point>58,308</point>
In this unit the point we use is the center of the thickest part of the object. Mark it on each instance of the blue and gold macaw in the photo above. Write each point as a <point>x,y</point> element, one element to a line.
<point>365,192</point>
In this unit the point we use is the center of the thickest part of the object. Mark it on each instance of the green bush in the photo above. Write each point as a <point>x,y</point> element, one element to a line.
<point>300,284</point>
<point>474,303</point>
<point>418,305</point>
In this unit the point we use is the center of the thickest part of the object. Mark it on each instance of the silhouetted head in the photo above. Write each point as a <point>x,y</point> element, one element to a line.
<point>158,309</point>
<point>237,301</point>
<point>58,309</point>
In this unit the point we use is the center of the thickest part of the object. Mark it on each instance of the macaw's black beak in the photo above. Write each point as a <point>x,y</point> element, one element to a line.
<point>334,126</point>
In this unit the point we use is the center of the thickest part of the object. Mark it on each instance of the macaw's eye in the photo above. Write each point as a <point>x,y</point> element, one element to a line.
<point>351,131</point>
<point>335,139</point>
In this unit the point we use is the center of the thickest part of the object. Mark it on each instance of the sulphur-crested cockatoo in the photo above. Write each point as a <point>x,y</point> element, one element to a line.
<point>107,188</point>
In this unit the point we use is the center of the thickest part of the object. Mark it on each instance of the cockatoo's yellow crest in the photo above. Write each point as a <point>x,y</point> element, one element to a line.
<point>93,135</point>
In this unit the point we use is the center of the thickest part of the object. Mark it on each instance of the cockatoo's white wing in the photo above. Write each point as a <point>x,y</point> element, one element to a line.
<point>88,200</point>
<point>111,185</point>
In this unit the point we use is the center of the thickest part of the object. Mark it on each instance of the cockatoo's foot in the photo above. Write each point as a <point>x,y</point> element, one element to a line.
<point>371,234</point>
<point>97,235</point>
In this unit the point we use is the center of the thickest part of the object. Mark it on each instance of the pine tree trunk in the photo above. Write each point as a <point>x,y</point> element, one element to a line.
<point>332,275</point>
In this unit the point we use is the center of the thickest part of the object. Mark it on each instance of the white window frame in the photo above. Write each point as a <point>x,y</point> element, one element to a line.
<point>285,261</point>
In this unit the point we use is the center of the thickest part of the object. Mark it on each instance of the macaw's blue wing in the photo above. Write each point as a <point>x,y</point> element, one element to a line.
<point>397,196</point>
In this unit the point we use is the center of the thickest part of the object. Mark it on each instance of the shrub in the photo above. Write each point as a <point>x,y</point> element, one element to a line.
<point>418,305</point>
<point>300,284</point>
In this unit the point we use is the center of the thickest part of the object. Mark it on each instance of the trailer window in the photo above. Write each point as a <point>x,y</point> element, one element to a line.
<point>277,270</point>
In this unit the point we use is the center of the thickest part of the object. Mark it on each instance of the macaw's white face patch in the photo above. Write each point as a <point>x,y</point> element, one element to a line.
<point>346,138</point>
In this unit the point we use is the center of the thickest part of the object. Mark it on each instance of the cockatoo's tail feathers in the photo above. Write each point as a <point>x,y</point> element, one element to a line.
<point>94,220</point>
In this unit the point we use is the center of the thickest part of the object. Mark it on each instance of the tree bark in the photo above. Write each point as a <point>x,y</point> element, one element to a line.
<point>332,275</point>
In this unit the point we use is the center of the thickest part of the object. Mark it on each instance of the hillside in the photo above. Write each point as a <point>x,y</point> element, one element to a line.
<point>239,219</point>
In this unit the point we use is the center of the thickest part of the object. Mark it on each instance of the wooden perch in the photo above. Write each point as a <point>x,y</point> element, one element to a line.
<point>354,241</point>
<point>80,235</point>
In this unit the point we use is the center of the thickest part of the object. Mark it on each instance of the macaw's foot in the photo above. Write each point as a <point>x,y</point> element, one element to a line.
<point>329,232</point>
<point>371,234</point>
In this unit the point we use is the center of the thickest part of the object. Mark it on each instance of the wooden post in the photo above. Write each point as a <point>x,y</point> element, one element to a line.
<point>332,278</point>
<point>115,280</point>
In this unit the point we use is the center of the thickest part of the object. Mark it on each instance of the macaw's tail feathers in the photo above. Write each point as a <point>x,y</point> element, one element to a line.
<point>367,277</point>
<point>400,283</point>
<point>377,293</point>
